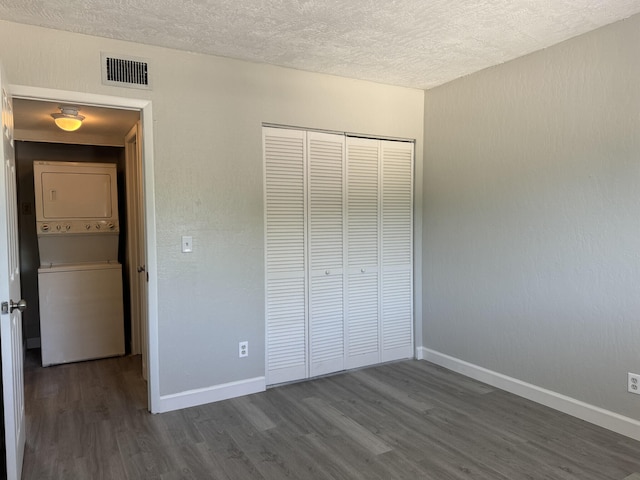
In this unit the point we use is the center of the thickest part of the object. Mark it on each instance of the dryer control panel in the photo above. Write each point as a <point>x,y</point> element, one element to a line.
<point>77,226</point>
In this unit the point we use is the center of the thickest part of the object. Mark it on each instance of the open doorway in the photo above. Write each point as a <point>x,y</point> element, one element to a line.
<point>108,135</point>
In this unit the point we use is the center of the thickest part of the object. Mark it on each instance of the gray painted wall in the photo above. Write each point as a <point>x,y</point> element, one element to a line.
<point>208,113</point>
<point>532,218</point>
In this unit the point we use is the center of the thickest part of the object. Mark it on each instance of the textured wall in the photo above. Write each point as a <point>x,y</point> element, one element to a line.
<point>208,165</point>
<point>532,218</point>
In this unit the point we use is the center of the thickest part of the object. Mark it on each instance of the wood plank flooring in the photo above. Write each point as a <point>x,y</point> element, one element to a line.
<point>406,420</point>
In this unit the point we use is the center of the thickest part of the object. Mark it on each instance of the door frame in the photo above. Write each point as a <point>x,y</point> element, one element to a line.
<point>146,120</point>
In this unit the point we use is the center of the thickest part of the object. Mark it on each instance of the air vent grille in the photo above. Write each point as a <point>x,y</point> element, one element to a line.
<point>125,71</point>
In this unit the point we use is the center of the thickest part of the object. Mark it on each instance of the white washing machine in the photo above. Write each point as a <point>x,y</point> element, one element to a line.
<point>80,312</point>
<point>79,279</point>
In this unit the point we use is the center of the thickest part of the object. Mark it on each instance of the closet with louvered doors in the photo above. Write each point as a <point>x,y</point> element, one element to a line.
<point>338,227</point>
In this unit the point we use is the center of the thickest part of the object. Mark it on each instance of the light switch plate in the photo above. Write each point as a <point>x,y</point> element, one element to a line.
<point>187,244</point>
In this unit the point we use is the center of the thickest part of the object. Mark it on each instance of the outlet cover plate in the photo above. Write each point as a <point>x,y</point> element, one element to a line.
<point>633,384</point>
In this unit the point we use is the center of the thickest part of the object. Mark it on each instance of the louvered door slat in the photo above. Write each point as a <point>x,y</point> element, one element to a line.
<point>397,313</point>
<point>362,203</point>
<point>326,324</point>
<point>362,319</point>
<point>325,219</point>
<point>286,331</point>
<point>397,213</point>
<point>397,250</point>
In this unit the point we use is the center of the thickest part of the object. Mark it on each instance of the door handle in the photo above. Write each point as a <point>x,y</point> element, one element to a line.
<point>11,306</point>
<point>141,268</point>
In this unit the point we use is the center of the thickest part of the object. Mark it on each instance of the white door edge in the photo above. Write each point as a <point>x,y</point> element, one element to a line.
<point>132,261</point>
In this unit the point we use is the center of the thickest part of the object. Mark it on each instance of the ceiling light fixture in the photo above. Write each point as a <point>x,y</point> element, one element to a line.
<point>68,119</point>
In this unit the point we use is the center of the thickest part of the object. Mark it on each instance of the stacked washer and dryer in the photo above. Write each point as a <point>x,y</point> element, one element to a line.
<point>79,279</point>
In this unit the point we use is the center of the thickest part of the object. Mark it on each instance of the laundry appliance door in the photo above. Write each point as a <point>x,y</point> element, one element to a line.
<point>81,312</point>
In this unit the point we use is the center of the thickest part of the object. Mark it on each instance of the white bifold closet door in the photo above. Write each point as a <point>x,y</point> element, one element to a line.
<point>379,225</point>
<point>326,252</point>
<point>338,226</point>
<point>363,251</point>
<point>396,239</point>
<point>285,257</point>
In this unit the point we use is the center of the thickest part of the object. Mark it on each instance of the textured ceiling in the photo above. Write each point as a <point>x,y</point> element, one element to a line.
<point>414,43</point>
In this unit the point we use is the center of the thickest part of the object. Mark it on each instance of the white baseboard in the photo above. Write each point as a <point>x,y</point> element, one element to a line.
<point>584,411</point>
<point>201,396</point>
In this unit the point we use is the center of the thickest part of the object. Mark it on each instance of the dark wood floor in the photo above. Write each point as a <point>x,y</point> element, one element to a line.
<point>407,420</point>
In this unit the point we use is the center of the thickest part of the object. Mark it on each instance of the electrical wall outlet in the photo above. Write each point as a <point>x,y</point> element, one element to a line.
<point>243,349</point>
<point>634,383</point>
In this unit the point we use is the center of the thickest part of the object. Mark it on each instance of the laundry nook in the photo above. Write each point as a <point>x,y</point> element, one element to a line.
<point>79,279</point>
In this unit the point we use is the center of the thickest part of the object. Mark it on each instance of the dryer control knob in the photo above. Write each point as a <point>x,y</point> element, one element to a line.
<point>111,226</point>
<point>58,227</point>
<point>67,227</point>
<point>87,227</point>
<point>45,227</point>
<point>97,226</point>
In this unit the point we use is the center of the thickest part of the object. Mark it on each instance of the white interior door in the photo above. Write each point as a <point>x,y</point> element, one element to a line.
<point>136,256</point>
<point>11,318</point>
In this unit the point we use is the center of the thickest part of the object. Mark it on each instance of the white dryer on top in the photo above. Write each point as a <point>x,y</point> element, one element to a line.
<point>76,208</point>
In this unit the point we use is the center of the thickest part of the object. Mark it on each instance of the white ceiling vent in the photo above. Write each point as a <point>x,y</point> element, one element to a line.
<point>123,71</point>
